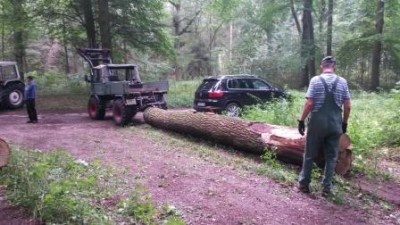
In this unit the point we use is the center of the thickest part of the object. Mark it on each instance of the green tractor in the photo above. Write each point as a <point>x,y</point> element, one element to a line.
<point>119,87</point>
<point>11,86</point>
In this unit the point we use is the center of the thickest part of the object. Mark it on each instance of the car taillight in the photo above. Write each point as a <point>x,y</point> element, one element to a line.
<point>215,94</point>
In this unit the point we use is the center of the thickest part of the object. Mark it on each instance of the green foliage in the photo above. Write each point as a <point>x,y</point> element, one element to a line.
<point>181,93</point>
<point>55,187</point>
<point>139,208</point>
<point>53,83</point>
<point>58,189</point>
<point>373,120</point>
<point>275,169</point>
<point>140,26</point>
<point>373,125</point>
<point>281,111</point>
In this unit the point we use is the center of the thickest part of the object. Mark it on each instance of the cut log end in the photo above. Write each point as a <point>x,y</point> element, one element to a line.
<point>4,153</point>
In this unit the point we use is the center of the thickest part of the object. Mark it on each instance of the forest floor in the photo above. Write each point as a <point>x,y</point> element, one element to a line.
<point>204,190</point>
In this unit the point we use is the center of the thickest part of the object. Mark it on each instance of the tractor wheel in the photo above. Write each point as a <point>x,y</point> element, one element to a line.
<point>14,96</point>
<point>122,114</point>
<point>96,108</point>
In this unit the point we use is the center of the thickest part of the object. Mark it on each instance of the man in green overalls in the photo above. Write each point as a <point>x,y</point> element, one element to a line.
<point>326,95</point>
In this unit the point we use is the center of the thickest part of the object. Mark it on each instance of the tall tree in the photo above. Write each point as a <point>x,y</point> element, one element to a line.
<point>376,54</point>
<point>329,28</point>
<point>104,24</point>
<point>181,26</point>
<point>89,22</point>
<point>19,24</point>
<point>307,44</point>
<point>294,15</point>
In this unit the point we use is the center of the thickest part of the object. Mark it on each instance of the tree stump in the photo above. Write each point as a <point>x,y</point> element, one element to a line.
<point>4,153</point>
<point>254,137</point>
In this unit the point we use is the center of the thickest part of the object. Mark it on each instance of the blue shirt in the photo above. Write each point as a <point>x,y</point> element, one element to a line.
<point>30,90</point>
<point>316,90</point>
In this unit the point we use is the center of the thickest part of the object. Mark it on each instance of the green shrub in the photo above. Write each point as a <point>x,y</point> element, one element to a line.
<point>139,208</point>
<point>55,187</point>
<point>276,170</point>
<point>53,83</point>
<point>181,93</point>
<point>59,189</point>
<point>281,111</point>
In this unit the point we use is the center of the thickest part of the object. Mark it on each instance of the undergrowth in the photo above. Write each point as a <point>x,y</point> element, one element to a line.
<point>59,189</point>
<point>374,124</point>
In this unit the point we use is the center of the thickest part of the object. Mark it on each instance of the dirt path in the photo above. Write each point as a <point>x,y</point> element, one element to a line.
<point>204,192</point>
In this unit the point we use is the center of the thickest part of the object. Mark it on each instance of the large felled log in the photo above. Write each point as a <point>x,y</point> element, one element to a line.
<point>249,136</point>
<point>4,153</point>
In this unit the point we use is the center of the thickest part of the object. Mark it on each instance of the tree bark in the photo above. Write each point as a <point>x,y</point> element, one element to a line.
<point>253,137</point>
<point>329,28</point>
<point>294,15</point>
<point>376,55</point>
<point>19,35</point>
<point>4,153</point>
<point>104,24</point>
<point>307,45</point>
<point>89,23</point>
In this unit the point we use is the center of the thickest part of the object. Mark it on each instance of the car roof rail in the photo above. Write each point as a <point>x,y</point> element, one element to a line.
<point>240,75</point>
<point>218,77</point>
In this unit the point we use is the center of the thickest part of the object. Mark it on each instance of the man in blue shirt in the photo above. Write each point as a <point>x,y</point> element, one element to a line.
<point>30,96</point>
<point>326,95</point>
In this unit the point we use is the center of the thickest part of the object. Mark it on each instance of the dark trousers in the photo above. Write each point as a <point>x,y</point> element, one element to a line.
<point>30,107</point>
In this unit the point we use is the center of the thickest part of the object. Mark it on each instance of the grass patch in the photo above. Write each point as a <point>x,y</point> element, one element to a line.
<point>374,124</point>
<point>281,111</point>
<point>59,189</point>
<point>276,170</point>
<point>181,93</point>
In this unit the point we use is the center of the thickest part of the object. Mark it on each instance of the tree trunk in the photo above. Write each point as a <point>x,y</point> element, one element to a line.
<point>307,45</point>
<point>104,24</point>
<point>376,55</point>
<point>294,15</point>
<point>4,153</point>
<point>329,28</point>
<point>19,35</point>
<point>65,44</point>
<point>252,137</point>
<point>89,23</point>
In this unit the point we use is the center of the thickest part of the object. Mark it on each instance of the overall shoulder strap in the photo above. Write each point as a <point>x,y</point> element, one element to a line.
<point>335,83</point>
<point>324,83</point>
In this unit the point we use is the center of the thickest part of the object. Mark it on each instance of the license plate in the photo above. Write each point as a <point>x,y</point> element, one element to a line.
<point>201,104</point>
<point>131,101</point>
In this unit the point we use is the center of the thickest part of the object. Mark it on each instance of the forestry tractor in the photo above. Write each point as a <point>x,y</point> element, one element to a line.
<point>11,86</point>
<point>119,87</point>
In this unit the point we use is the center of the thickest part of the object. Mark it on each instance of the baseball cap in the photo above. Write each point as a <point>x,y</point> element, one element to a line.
<point>328,59</point>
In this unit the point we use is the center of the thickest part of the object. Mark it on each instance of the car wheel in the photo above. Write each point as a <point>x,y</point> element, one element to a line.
<point>96,108</point>
<point>232,110</point>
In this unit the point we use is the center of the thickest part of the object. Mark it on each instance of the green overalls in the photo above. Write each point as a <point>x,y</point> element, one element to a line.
<point>324,130</point>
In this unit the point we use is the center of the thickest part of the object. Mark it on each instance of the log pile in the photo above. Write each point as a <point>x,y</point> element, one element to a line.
<point>244,135</point>
<point>4,153</point>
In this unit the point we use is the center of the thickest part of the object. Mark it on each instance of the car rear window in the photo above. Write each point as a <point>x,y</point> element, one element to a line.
<point>208,84</point>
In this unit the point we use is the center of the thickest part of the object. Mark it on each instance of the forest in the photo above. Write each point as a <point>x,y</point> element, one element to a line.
<point>282,41</point>
<point>70,169</point>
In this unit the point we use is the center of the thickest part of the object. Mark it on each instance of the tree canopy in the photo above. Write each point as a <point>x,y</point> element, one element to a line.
<point>279,40</point>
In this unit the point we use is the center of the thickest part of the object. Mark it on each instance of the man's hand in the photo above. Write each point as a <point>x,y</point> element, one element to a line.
<point>344,127</point>
<point>301,127</point>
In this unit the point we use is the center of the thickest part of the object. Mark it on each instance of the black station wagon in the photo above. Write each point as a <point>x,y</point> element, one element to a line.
<point>229,93</point>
